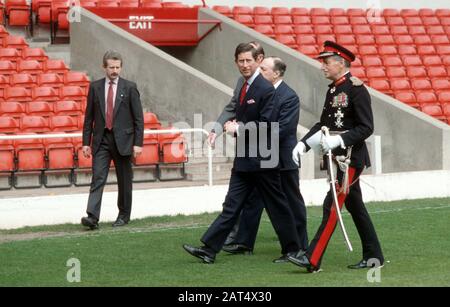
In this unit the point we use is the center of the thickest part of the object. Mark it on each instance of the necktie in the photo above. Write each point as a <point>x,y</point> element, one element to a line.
<point>243,92</point>
<point>110,107</point>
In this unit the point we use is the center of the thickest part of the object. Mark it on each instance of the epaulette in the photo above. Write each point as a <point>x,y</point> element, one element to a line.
<point>356,81</point>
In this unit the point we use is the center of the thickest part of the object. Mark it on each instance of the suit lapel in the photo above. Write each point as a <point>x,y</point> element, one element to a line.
<point>252,89</point>
<point>119,95</point>
<point>102,91</point>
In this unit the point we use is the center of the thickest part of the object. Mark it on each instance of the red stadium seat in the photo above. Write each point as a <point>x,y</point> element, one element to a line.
<point>323,29</point>
<point>356,12</point>
<point>368,50</point>
<point>280,11</point>
<point>17,42</point>
<point>416,72</point>
<point>246,20</point>
<point>413,21</point>
<point>222,9</point>
<point>408,98</point>
<point>10,54</point>
<point>263,20</point>
<point>59,153</point>
<point>430,21</point>
<point>309,50</point>
<point>446,109</point>
<point>39,108</point>
<point>77,78</point>
<point>282,20</point>
<point>371,61</point>
<point>403,39</point>
<point>283,29</point>
<point>435,30</point>
<point>19,94</point>
<point>409,13</point>
<point>406,50</point>
<point>319,12</point>
<point>29,66</point>
<point>306,39</point>
<point>30,154</point>
<point>50,79</point>
<point>37,124</point>
<point>288,40</point>
<point>444,97</point>
<point>72,92</point>
<point>303,29</point>
<point>63,123</point>
<point>422,40</point>
<point>7,68</point>
<point>301,20</point>
<point>151,121</point>
<point>426,97</point>
<point>55,66</point>
<point>426,50</point>
<point>421,84</point>
<point>12,109</point>
<point>375,72</point>
<point>242,10</point>
<point>433,110</point>
<point>390,12</point>
<point>358,20</point>
<point>340,20</point>
<point>436,72</point>
<point>442,12</point>
<point>321,20</point>
<point>443,49</point>
<point>395,72</point>
<point>400,84</point>
<point>387,50</point>
<point>261,10</point>
<point>37,54</point>
<point>299,11</point>
<point>45,93</point>
<point>345,39</point>
<point>81,161</point>
<point>9,124</point>
<point>412,60</point>
<point>431,60</point>
<point>380,85</point>
<point>440,84</point>
<point>384,40</point>
<point>394,20</point>
<point>440,39</point>
<point>359,72</point>
<point>67,107</point>
<point>322,38</point>
<point>18,12</point>
<point>343,29</point>
<point>172,148</point>
<point>416,30</point>
<point>365,39</point>
<point>265,29</point>
<point>7,163</point>
<point>150,151</point>
<point>22,80</point>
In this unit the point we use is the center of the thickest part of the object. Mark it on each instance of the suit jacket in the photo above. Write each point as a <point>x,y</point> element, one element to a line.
<point>229,111</point>
<point>128,119</point>
<point>287,108</point>
<point>348,110</point>
<point>257,108</point>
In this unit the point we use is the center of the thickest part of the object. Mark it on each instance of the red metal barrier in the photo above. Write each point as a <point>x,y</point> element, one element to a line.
<point>160,26</point>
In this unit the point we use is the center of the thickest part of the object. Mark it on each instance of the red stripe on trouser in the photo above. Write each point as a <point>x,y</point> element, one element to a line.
<point>330,226</point>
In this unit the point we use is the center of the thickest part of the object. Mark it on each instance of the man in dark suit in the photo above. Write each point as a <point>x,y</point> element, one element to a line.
<point>348,114</point>
<point>287,109</point>
<point>113,130</point>
<point>252,167</point>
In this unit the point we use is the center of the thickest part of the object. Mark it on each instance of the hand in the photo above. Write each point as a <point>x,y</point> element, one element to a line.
<point>137,151</point>
<point>212,139</point>
<point>231,127</point>
<point>298,151</point>
<point>86,151</point>
<point>331,142</point>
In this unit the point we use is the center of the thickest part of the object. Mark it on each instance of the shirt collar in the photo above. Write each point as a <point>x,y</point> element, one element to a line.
<point>115,82</point>
<point>341,79</point>
<point>276,85</point>
<point>252,78</point>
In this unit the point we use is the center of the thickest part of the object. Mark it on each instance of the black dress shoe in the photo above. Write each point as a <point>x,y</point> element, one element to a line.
<point>364,265</point>
<point>89,222</point>
<point>119,222</point>
<point>284,257</point>
<point>237,249</point>
<point>200,252</point>
<point>302,260</point>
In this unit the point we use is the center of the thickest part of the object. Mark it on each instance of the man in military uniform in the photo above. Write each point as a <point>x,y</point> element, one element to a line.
<point>348,115</point>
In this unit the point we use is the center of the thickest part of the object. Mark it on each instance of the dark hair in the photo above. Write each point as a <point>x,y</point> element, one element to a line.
<point>245,47</point>
<point>278,65</point>
<point>258,47</point>
<point>112,55</point>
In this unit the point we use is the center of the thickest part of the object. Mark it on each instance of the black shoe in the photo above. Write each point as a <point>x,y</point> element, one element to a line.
<point>89,222</point>
<point>200,252</point>
<point>302,260</point>
<point>237,249</point>
<point>363,264</point>
<point>119,222</point>
<point>284,257</point>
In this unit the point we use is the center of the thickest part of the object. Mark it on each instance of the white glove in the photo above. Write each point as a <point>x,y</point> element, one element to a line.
<point>314,141</point>
<point>331,142</point>
<point>298,151</point>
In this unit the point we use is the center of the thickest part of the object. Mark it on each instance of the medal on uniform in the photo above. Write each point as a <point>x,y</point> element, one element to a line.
<point>339,117</point>
<point>333,89</point>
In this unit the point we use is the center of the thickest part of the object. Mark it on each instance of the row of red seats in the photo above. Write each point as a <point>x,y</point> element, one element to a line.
<point>416,84</point>
<point>402,72</point>
<point>66,153</point>
<point>41,108</point>
<point>299,11</point>
<point>45,93</point>
<point>45,79</point>
<point>34,67</point>
<point>343,20</point>
<point>39,124</point>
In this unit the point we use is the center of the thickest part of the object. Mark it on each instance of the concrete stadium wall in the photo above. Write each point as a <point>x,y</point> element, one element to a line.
<point>411,140</point>
<point>168,87</point>
<point>329,3</point>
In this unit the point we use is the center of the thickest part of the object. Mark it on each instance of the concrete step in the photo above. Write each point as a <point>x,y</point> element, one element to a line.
<point>204,160</point>
<point>222,177</point>
<point>203,168</point>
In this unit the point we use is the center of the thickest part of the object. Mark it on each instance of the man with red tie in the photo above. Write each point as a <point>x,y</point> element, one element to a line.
<point>252,167</point>
<point>113,130</point>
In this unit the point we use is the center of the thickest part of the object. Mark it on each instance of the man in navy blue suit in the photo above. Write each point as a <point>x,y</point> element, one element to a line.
<point>287,109</point>
<point>253,167</point>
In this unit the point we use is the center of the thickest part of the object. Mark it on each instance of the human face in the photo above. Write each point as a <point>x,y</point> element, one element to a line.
<point>332,68</point>
<point>246,64</point>
<point>112,69</point>
<point>267,71</point>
